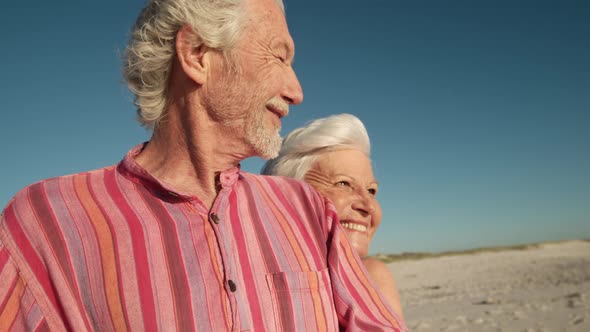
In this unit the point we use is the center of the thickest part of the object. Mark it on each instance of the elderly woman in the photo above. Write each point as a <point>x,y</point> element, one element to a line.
<point>332,154</point>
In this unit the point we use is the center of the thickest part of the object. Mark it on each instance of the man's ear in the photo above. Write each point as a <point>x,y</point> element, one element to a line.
<point>193,60</point>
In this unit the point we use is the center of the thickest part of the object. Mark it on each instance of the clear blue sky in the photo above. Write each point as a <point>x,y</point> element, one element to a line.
<point>478,111</point>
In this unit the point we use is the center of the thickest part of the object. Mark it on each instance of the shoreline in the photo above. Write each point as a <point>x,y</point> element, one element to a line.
<point>390,258</point>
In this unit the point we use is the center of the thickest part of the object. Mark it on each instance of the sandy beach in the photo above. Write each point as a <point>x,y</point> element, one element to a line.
<point>541,287</point>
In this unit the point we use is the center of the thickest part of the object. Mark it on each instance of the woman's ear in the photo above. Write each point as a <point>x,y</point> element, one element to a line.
<point>194,60</point>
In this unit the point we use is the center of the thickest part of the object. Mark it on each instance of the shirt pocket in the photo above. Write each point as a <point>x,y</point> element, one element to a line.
<point>302,301</point>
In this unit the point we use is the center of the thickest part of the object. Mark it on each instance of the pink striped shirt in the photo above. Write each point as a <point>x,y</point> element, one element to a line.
<point>115,249</point>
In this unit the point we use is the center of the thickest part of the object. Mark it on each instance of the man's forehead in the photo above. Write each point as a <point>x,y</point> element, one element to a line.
<point>265,8</point>
<point>267,12</point>
<point>268,18</point>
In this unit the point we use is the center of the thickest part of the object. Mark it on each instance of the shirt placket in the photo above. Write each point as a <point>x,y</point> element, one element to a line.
<point>219,219</point>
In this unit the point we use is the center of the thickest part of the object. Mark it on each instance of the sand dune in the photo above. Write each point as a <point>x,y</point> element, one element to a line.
<point>543,287</point>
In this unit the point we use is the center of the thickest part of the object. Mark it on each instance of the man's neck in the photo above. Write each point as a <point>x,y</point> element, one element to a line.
<point>187,153</point>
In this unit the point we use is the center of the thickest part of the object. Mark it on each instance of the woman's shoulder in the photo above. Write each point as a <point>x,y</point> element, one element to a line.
<point>380,273</point>
<point>373,264</point>
<point>382,276</point>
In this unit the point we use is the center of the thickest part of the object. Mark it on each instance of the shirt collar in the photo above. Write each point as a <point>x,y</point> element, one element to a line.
<point>129,168</point>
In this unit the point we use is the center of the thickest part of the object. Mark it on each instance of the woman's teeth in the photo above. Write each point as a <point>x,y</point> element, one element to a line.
<point>354,227</point>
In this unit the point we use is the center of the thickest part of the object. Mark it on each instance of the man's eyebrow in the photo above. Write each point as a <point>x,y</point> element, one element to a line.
<point>284,46</point>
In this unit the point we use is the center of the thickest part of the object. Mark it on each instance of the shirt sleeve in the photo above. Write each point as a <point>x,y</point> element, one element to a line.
<point>359,305</point>
<point>20,309</point>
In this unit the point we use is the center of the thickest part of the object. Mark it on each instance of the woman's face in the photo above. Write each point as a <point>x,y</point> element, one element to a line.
<point>346,178</point>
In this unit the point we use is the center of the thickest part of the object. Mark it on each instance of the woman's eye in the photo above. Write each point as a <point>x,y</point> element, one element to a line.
<point>372,191</point>
<point>343,184</point>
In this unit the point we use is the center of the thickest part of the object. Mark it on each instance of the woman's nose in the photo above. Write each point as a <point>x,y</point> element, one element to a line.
<point>364,202</point>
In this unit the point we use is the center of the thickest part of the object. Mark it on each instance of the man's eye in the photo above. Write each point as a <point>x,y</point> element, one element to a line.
<point>372,191</point>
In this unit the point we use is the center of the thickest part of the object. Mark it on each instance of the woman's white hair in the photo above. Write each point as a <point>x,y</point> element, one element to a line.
<point>148,57</point>
<point>304,145</point>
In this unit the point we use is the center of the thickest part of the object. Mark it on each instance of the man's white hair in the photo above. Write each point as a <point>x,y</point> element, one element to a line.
<point>304,145</point>
<point>217,24</point>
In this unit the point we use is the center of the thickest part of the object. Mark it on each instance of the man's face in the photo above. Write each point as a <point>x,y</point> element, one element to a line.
<point>255,91</point>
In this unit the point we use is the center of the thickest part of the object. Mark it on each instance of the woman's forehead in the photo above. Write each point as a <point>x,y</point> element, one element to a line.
<point>347,162</point>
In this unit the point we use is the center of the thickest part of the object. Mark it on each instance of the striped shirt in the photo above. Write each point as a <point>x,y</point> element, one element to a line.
<point>116,249</point>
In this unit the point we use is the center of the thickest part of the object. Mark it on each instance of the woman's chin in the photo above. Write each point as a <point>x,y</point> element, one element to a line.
<point>361,249</point>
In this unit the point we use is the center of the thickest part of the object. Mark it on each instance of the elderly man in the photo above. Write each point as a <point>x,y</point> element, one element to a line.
<point>176,237</point>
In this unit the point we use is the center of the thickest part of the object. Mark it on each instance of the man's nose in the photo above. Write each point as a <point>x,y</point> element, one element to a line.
<point>293,94</point>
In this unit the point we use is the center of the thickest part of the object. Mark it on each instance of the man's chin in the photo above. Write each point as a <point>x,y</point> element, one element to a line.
<point>268,156</point>
<point>271,150</point>
<point>267,146</point>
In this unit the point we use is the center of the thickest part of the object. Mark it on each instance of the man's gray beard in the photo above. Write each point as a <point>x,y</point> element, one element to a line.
<point>266,144</point>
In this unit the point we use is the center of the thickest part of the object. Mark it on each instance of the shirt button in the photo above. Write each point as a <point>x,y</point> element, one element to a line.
<point>232,285</point>
<point>215,218</point>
